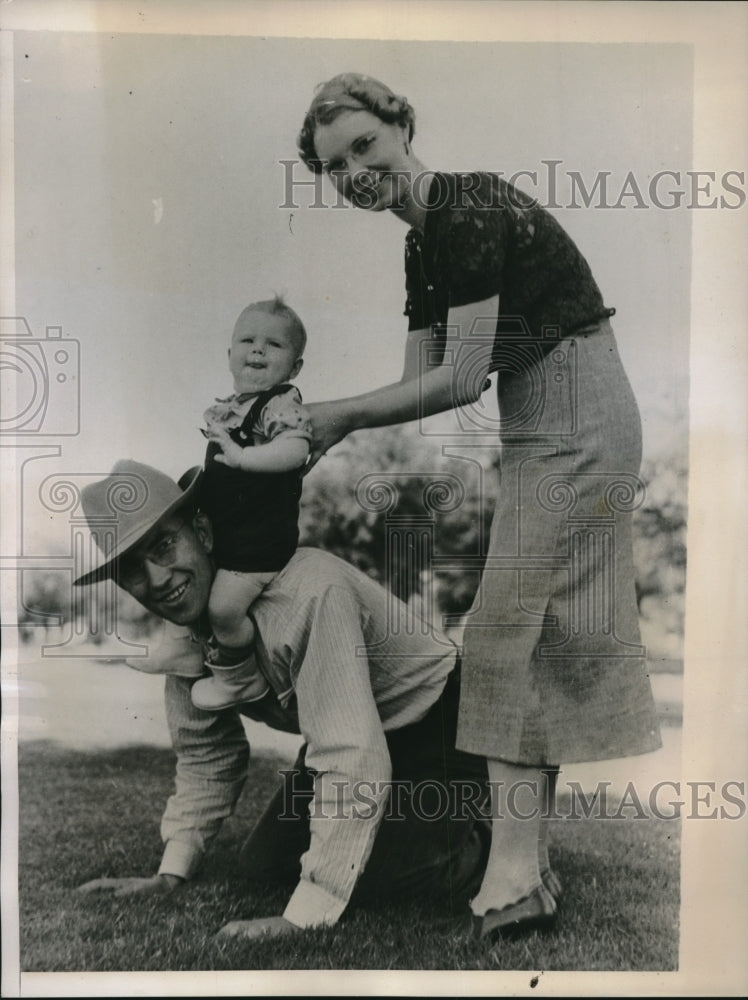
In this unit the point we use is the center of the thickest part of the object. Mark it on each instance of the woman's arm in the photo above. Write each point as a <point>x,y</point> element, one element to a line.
<point>426,387</point>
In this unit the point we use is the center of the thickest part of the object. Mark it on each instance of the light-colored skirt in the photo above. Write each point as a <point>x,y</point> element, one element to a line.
<point>553,666</point>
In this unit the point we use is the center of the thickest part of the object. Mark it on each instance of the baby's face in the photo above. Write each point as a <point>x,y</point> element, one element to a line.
<point>263,352</point>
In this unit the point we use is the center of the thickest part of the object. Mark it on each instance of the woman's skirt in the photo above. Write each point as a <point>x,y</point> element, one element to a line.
<point>553,666</point>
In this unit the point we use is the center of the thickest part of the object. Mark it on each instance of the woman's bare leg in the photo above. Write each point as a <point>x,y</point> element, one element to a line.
<point>513,870</point>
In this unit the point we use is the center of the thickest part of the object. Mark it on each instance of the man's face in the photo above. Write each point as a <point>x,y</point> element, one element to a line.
<point>170,571</point>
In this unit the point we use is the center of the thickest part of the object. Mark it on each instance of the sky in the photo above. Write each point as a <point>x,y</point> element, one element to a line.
<point>152,205</point>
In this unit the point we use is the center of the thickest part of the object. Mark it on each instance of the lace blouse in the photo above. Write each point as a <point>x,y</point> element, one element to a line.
<point>483,237</point>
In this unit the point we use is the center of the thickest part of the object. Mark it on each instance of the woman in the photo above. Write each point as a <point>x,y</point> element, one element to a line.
<point>553,670</point>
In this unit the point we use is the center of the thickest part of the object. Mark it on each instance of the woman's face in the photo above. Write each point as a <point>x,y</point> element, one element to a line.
<point>367,159</point>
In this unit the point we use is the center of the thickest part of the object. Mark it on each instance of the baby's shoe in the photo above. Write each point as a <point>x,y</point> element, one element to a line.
<point>229,685</point>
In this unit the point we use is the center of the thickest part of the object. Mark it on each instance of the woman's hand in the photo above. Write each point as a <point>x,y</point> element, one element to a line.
<point>330,424</point>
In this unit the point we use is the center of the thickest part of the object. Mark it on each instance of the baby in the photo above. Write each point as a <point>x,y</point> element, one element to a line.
<point>259,444</point>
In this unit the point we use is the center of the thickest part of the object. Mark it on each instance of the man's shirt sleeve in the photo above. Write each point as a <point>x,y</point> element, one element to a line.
<point>212,756</point>
<point>347,750</point>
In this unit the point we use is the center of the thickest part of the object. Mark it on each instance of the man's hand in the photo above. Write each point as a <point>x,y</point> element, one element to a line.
<point>262,929</point>
<point>132,886</point>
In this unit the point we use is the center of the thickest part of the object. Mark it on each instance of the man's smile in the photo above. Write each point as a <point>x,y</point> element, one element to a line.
<point>173,596</point>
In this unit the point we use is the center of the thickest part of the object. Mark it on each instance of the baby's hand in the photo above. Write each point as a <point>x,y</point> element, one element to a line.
<point>232,452</point>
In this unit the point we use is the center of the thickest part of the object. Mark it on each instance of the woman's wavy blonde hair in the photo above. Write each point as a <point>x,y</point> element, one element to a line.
<point>351,92</point>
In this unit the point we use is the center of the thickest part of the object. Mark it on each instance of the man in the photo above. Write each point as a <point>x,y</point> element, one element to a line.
<point>380,803</point>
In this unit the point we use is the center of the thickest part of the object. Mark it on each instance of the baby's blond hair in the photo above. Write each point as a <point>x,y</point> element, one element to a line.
<point>277,307</point>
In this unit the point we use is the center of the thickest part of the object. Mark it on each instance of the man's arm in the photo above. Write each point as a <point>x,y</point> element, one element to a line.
<point>212,755</point>
<point>347,749</point>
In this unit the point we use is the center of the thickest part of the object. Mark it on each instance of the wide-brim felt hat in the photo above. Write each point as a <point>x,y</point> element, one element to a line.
<point>127,504</point>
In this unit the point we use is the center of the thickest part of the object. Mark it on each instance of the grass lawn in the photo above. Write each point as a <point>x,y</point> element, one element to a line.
<point>85,815</point>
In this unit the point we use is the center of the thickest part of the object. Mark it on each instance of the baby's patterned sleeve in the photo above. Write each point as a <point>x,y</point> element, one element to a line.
<point>220,412</point>
<point>285,414</point>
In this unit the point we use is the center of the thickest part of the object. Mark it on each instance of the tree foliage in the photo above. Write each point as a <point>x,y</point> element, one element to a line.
<point>377,494</point>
